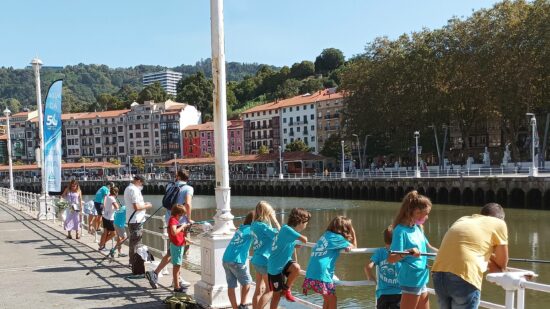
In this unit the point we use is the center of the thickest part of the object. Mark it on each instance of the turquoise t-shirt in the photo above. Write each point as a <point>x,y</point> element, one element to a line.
<point>120,217</point>
<point>237,250</point>
<point>414,271</point>
<point>282,249</point>
<point>100,194</point>
<point>263,239</point>
<point>324,255</point>
<point>386,273</point>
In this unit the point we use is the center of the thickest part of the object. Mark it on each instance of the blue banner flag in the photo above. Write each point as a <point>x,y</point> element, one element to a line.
<point>52,137</point>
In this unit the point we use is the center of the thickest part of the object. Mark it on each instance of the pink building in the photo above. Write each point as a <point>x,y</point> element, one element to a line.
<point>205,139</point>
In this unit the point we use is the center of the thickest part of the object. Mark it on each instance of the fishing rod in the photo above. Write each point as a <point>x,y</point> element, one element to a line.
<point>509,259</point>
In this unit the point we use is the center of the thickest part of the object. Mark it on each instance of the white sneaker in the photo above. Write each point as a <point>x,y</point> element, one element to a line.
<point>184,283</point>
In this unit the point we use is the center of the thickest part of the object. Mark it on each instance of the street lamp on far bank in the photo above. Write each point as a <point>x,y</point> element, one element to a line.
<point>343,175</point>
<point>281,162</point>
<point>359,152</point>
<point>7,113</point>
<point>533,171</point>
<point>417,171</point>
<point>175,163</point>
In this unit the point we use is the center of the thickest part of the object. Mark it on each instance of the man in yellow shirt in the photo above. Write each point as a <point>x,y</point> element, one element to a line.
<point>472,245</point>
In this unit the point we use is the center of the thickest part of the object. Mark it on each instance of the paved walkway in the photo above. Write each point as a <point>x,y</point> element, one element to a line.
<point>40,267</point>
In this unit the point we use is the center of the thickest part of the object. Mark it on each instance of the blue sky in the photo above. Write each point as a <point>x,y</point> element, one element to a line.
<point>123,33</point>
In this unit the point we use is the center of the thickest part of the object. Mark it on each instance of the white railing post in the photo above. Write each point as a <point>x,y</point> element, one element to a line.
<point>509,302</point>
<point>520,302</point>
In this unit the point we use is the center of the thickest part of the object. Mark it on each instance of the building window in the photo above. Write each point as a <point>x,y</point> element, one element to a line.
<point>312,128</point>
<point>311,106</point>
<point>146,134</point>
<point>297,118</point>
<point>284,110</point>
<point>284,131</point>
<point>121,139</point>
<point>297,129</point>
<point>313,138</point>
<point>284,120</point>
<point>311,116</point>
<point>304,107</point>
<point>98,150</point>
<point>97,140</point>
<point>292,139</point>
<point>290,109</point>
<point>131,135</point>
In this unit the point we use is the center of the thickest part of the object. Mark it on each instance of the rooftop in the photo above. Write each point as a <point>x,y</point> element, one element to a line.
<point>64,166</point>
<point>321,95</point>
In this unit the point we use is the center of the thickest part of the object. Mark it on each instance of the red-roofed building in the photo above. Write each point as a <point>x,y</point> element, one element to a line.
<point>284,121</point>
<point>198,140</point>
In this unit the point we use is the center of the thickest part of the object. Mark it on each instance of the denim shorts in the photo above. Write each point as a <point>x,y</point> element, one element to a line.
<point>236,272</point>
<point>414,290</point>
<point>454,292</point>
<point>176,254</point>
<point>262,270</point>
<point>120,232</point>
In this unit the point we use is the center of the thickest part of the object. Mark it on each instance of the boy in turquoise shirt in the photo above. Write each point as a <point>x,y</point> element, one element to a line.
<point>280,265</point>
<point>388,292</point>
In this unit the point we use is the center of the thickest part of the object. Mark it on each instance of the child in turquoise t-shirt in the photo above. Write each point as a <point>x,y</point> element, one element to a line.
<point>408,236</point>
<point>388,292</point>
<point>340,235</point>
<point>282,271</point>
<point>263,235</point>
<point>235,260</point>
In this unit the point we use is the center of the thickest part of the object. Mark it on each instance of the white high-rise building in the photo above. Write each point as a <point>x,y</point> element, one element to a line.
<point>167,79</point>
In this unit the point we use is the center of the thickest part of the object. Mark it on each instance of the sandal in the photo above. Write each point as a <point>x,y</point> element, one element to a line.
<point>69,236</point>
<point>77,236</point>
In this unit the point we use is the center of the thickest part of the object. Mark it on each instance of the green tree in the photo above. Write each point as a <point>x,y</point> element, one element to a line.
<point>330,59</point>
<point>196,90</point>
<point>302,70</point>
<point>114,161</point>
<point>333,147</point>
<point>297,145</point>
<point>263,150</point>
<point>12,104</point>
<point>138,163</point>
<point>107,101</point>
<point>311,85</point>
<point>288,89</point>
<point>126,94</point>
<point>153,92</point>
<point>84,160</point>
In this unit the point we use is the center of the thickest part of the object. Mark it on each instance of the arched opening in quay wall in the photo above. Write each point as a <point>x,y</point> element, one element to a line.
<point>517,198</point>
<point>467,196</point>
<point>534,199</point>
<point>454,196</point>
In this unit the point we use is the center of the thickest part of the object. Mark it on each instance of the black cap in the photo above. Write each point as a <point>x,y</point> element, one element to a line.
<point>140,178</point>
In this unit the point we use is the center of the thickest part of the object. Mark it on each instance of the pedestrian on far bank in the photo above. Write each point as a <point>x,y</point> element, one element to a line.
<point>408,236</point>
<point>135,212</point>
<point>73,195</point>
<point>185,197</point>
<point>98,204</point>
<point>471,246</point>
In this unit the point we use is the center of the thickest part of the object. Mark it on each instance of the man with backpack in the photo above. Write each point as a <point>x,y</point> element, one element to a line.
<point>135,215</point>
<point>178,192</point>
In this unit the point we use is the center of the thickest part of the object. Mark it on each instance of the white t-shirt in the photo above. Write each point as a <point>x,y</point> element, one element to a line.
<point>132,195</point>
<point>108,209</point>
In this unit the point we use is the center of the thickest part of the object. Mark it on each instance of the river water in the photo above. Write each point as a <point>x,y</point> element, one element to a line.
<point>526,230</point>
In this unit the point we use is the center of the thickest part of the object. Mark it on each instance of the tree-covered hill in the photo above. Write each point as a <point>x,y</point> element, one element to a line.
<point>84,83</point>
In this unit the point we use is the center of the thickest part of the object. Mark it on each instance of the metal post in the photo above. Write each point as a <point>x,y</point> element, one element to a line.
<point>343,174</point>
<point>281,162</point>
<point>534,170</point>
<point>359,152</point>
<point>7,113</point>
<point>175,163</point>
<point>129,167</point>
<point>417,172</point>
<point>437,146</point>
<point>365,150</point>
<point>444,144</point>
<point>211,290</point>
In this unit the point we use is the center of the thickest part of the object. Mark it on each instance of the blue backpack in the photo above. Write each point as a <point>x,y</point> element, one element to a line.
<point>120,217</point>
<point>171,196</point>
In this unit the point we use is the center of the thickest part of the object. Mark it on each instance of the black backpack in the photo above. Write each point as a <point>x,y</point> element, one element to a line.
<point>171,196</point>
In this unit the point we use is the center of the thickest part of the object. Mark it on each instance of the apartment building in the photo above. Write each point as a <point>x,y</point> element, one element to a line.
<point>168,80</point>
<point>261,127</point>
<point>24,139</point>
<point>330,107</point>
<point>292,119</point>
<point>176,116</point>
<point>198,140</point>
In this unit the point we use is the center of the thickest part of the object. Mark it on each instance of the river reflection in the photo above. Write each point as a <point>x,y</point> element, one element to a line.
<point>527,230</point>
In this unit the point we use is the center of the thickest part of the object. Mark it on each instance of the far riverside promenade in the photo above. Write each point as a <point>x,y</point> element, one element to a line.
<point>39,267</point>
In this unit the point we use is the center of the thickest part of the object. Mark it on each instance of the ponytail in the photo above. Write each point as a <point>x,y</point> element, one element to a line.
<point>411,202</point>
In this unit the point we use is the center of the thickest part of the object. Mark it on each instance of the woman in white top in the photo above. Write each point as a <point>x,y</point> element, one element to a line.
<point>110,205</point>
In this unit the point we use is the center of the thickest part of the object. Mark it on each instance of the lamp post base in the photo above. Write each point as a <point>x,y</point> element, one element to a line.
<point>343,175</point>
<point>45,212</point>
<point>534,171</point>
<point>281,176</point>
<point>417,174</point>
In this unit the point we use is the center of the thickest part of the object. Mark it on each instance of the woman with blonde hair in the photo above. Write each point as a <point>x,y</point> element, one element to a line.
<point>73,195</point>
<point>263,233</point>
<point>408,236</point>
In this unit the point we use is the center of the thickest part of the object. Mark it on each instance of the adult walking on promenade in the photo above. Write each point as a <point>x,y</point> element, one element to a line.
<point>472,245</point>
<point>73,195</point>
<point>184,197</point>
<point>135,212</point>
<point>99,200</point>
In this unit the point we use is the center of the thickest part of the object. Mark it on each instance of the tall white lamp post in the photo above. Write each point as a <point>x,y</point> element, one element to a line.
<point>281,162</point>
<point>359,152</point>
<point>211,290</point>
<point>343,174</point>
<point>42,214</point>
<point>417,171</point>
<point>533,171</point>
<point>175,163</point>
<point>7,113</point>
